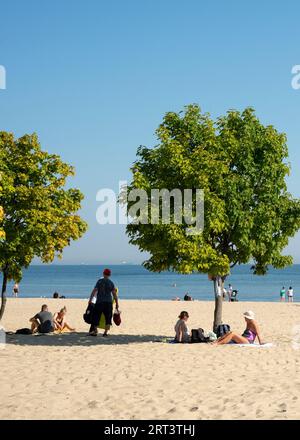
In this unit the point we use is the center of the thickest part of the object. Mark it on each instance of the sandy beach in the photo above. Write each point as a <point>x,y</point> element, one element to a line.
<point>130,376</point>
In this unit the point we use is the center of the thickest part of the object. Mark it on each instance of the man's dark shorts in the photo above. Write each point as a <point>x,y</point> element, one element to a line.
<point>102,307</point>
<point>46,327</point>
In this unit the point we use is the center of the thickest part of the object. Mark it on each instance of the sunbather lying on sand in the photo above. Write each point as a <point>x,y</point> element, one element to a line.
<point>59,320</point>
<point>249,335</point>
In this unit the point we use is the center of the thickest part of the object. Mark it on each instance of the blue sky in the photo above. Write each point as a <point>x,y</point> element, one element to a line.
<point>94,79</point>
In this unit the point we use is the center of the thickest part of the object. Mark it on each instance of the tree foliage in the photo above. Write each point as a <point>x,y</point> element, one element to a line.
<point>40,214</point>
<point>241,165</point>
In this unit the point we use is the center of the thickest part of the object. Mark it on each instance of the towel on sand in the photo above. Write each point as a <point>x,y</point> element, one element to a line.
<point>267,345</point>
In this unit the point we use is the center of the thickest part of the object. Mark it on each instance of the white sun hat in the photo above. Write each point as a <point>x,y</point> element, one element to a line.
<point>249,314</point>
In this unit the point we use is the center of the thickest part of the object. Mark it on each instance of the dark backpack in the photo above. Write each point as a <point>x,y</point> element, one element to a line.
<point>87,317</point>
<point>222,330</point>
<point>24,331</point>
<point>198,336</point>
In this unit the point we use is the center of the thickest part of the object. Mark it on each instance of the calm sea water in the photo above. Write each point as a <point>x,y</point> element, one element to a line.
<point>135,282</point>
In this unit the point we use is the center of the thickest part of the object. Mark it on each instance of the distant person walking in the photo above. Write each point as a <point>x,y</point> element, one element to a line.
<point>16,290</point>
<point>282,294</point>
<point>103,294</point>
<point>290,294</point>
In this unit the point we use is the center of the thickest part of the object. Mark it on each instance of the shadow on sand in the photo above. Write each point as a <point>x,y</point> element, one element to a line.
<point>80,339</point>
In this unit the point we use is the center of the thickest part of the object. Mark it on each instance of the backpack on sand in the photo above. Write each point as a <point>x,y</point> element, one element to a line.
<point>222,330</point>
<point>198,336</point>
<point>24,331</point>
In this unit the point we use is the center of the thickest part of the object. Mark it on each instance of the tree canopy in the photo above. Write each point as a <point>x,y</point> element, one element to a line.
<point>39,214</point>
<point>248,213</point>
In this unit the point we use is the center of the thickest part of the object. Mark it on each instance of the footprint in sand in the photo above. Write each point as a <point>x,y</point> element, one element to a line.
<point>194,408</point>
<point>93,404</point>
<point>283,407</point>
<point>259,413</point>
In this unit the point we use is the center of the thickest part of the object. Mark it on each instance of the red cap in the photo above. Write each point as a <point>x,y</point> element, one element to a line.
<point>107,272</point>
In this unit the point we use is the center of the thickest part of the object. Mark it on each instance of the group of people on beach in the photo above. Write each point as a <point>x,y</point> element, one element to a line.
<point>289,294</point>
<point>102,298</point>
<point>104,295</point>
<point>45,322</point>
<point>251,332</point>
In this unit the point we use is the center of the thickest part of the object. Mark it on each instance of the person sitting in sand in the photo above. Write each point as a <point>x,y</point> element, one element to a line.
<point>42,322</point>
<point>182,333</point>
<point>187,297</point>
<point>59,320</point>
<point>248,337</point>
<point>55,295</point>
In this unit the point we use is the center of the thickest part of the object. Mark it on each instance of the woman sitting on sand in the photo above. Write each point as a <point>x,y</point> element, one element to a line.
<point>182,333</point>
<point>59,320</point>
<point>248,337</point>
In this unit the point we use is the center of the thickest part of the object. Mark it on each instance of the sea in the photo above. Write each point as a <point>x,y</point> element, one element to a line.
<point>135,282</point>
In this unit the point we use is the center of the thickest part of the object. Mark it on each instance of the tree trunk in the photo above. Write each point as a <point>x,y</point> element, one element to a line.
<point>218,290</point>
<point>3,294</point>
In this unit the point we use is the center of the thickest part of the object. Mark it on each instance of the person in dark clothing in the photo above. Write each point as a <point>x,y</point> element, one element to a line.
<point>42,322</point>
<point>102,295</point>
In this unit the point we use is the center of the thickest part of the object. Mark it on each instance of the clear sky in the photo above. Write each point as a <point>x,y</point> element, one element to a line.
<point>93,78</point>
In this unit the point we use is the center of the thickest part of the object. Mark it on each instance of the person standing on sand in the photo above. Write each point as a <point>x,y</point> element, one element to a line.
<point>282,294</point>
<point>229,291</point>
<point>16,290</point>
<point>104,292</point>
<point>290,294</point>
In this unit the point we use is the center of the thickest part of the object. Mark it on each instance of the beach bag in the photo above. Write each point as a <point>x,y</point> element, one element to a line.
<point>117,317</point>
<point>198,336</point>
<point>24,331</point>
<point>222,330</point>
<point>87,317</point>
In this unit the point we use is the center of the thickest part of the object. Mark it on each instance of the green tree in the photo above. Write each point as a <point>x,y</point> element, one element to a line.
<point>249,215</point>
<point>40,215</point>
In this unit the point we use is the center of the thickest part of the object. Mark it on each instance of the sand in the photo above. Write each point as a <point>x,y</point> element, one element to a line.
<point>129,376</point>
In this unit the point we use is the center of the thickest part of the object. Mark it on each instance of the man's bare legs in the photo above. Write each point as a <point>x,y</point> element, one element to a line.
<point>34,326</point>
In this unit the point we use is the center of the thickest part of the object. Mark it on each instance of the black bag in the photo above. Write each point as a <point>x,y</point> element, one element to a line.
<point>222,330</point>
<point>87,317</point>
<point>24,331</point>
<point>198,336</point>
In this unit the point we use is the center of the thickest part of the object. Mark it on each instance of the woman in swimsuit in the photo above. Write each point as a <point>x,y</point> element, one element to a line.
<point>59,320</point>
<point>248,337</point>
<point>181,328</point>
